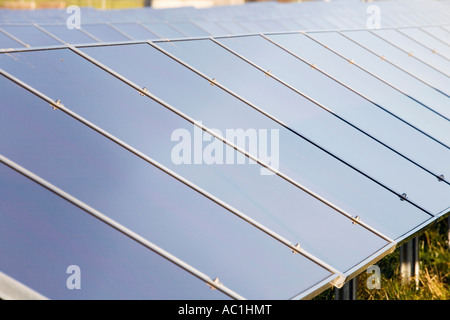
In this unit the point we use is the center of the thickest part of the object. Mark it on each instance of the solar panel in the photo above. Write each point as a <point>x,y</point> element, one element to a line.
<point>93,168</point>
<point>385,71</point>
<point>435,45</point>
<point>42,230</point>
<point>7,41</point>
<point>68,35</point>
<point>105,32</point>
<point>135,31</point>
<point>252,159</point>
<point>163,30</point>
<point>219,110</point>
<point>282,103</point>
<point>30,35</point>
<point>415,49</point>
<point>401,59</point>
<point>378,92</point>
<point>439,33</point>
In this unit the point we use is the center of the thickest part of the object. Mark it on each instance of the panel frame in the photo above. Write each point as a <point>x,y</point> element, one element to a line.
<point>339,277</point>
<point>120,228</point>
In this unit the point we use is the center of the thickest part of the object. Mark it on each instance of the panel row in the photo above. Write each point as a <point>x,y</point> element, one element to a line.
<point>317,189</point>
<point>309,15</point>
<point>267,166</point>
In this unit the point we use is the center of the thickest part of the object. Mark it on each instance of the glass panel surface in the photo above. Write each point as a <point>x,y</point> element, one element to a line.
<point>419,51</point>
<point>73,36</point>
<point>253,26</point>
<point>149,127</point>
<point>289,24</point>
<point>7,42</point>
<point>216,109</point>
<point>212,28</point>
<point>31,35</point>
<point>41,235</point>
<point>146,200</point>
<point>435,45</point>
<point>104,32</point>
<point>375,90</point>
<point>399,79</point>
<point>163,30</point>
<point>135,31</point>
<point>190,29</point>
<point>401,59</point>
<point>284,104</point>
<point>439,33</point>
<point>343,102</point>
<point>272,25</point>
<point>233,27</point>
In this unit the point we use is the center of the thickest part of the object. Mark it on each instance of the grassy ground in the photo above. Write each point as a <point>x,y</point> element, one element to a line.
<point>434,280</point>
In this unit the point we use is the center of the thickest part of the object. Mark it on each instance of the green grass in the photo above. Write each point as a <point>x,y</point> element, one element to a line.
<point>434,279</point>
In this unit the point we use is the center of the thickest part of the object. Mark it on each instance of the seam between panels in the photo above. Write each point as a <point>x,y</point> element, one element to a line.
<point>12,289</point>
<point>9,35</point>
<point>222,139</point>
<point>422,44</point>
<point>112,26</point>
<point>432,35</point>
<point>358,93</point>
<point>293,247</point>
<point>405,51</point>
<point>42,27</point>
<point>389,61</point>
<point>373,75</point>
<point>283,124</point>
<point>119,227</point>
<point>49,34</point>
<point>334,114</point>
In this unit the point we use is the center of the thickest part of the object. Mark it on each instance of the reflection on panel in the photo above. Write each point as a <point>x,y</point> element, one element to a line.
<point>135,31</point>
<point>216,109</point>
<point>435,45</point>
<point>141,197</point>
<point>71,36</point>
<point>8,42</point>
<point>163,30</point>
<point>375,90</point>
<point>388,72</point>
<point>30,35</point>
<point>105,32</point>
<point>284,104</point>
<point>43,238</point>
<point>415,49</point>
<point>401,59</point>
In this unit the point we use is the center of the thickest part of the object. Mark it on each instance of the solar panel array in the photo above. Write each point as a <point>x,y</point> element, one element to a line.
<point>90,118</point>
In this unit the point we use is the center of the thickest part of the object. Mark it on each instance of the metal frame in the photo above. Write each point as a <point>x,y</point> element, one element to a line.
<point>420,43</point>
<point>193,121</point>
<point>414,56</point>
<point>389,61</point>
<point>119,227</point>
<point>222,139</point>
<point>42,26</point>
<point>14,38</point>
<point>315,102</point>
<point>119,31</point>
<point>291,246</point>
<point>11,289</point>
<point>432,35</point>
<point>361,95</point>
<point>337,279</point>
<point>328,110</point>
<point>49,34</point>
<point>375,76</point>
